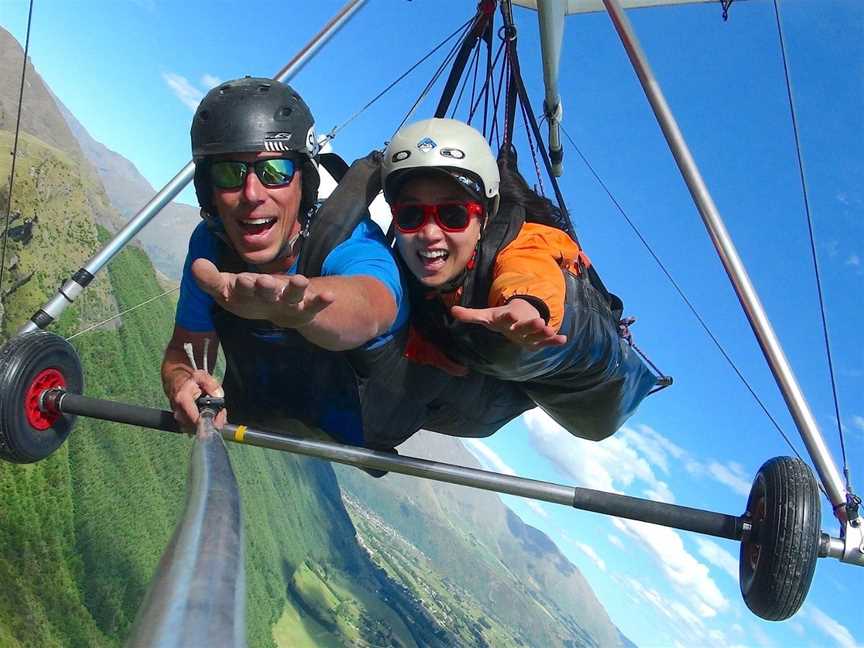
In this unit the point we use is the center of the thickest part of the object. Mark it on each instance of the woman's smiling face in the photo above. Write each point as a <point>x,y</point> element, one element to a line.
<point>435,255</point>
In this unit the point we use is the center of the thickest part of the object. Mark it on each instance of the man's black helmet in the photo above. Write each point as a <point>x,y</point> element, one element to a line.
<point>249,115</point>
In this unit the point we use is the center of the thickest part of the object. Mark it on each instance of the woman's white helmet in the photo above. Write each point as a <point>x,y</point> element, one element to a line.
<point>449,145</point>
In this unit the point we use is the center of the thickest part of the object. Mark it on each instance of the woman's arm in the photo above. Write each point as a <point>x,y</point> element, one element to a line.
<point>526,301</point>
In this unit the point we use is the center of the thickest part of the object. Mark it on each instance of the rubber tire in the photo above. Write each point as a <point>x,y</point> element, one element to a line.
<point>21,360</point>
<point>778,556</point>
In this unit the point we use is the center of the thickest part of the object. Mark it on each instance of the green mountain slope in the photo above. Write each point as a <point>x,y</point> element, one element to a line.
<point>81,532</point>
<point>511,571</point>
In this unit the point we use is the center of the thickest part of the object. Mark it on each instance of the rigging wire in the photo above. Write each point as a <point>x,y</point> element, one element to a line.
<point>332,133</point>
<point>530,138</point>
<point>805,195</point>
<point>473,87</point>
<point>680,292</point>
<point>487,88</point>
<point>121,314</point>
<point>15,148</point>
<point>446,62</point>
<point>472,65</point>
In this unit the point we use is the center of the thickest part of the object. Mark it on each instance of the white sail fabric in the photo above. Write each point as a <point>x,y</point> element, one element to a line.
<point>589,6</point>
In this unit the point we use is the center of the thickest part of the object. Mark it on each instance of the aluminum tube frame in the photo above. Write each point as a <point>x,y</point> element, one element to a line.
<point>849,549</point>
<point>761,325</point>
<point>671,515</point>
<point>550,18</point>
<point>66,297</point>
<point>680,517</point>
<point>197,596</point>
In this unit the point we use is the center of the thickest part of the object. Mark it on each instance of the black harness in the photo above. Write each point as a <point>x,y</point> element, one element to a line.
<point>589,387</point>
<point>372,397</point>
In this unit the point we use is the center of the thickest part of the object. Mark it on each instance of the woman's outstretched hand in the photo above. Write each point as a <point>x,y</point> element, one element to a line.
<point>518,320</point>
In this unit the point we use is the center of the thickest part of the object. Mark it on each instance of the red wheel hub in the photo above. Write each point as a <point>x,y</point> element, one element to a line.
<point>46,379</point>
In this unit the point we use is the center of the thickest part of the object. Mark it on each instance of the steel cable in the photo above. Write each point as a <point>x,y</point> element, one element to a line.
<point>807,210</point>
<point>15,148</point>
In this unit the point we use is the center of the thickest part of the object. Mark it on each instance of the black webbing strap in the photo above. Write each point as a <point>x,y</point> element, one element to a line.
<point>481,27</point>
<point>343,210</point>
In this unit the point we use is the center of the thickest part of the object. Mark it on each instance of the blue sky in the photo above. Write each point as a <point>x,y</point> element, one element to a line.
<point>131,71</point>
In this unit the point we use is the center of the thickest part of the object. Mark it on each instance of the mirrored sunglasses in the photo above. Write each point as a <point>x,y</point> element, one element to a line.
<point>272,172</point>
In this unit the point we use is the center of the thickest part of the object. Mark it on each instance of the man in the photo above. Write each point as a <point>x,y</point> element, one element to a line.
<point>311,313</point>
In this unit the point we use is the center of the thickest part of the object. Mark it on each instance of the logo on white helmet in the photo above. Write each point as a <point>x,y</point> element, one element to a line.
<point>426,144</point>
<point>452,153</point>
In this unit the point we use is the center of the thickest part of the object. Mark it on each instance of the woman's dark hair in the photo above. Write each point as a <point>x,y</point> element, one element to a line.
<point>514,189</point>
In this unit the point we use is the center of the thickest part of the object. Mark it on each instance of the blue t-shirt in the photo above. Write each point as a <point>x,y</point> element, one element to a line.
<point>365,252</point>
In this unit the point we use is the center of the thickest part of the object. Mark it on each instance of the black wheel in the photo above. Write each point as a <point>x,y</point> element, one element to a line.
<point>30,364</point>
<point>778,555</point>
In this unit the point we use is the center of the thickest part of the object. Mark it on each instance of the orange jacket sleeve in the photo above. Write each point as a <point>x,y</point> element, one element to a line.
<point>530,266</point>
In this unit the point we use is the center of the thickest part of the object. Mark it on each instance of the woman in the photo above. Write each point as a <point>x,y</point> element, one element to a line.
<point>497,287</point>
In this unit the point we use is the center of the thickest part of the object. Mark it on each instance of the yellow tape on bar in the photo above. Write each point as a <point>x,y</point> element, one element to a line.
<point>240,433</point>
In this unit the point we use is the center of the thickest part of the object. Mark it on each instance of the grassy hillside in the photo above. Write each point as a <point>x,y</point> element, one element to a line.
<point>81,532</point>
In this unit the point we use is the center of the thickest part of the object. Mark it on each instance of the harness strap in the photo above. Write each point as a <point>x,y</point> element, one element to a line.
<point>343,210</point>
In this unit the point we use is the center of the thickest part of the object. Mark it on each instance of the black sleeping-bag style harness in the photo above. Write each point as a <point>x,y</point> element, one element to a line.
<point>590,389</point>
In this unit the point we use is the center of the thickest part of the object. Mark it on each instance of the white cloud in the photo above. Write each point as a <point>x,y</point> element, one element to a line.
<point>488,457</point>
<point>615,540</point>
<point>653,445</point>
<point>858,422</point>
<point>690,577</point>
<point>537,508</point>
<point>183,89</point>
<point>832,628</point>
<point>611,465</point>
<point>732,475</point>
<point>588,550</point>
<point>719,557</point>
<point>210,81</point>
<point>691,630</point>
<point>853,260</point>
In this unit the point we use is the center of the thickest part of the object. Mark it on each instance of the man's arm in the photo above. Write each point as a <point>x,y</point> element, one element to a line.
<point>335,312</point>
<point>362,309</point>
<point>183,384</point>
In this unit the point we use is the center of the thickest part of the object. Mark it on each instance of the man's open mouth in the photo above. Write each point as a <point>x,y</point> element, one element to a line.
<point>255,226</point>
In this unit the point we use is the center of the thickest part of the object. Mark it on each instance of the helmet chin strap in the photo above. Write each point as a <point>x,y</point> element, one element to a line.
<point>294,244</point>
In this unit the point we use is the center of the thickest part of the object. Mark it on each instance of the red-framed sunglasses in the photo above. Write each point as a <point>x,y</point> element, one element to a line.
<point>449,216</point>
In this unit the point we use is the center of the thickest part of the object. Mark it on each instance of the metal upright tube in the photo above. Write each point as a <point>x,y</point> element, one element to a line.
<point>198,595</point>
<point>74,286</point>
<point>137,223</point>
<point>771,348</point>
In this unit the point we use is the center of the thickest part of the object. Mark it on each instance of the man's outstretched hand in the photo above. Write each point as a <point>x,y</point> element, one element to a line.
<point>289,301</point>
<point>519,321</point>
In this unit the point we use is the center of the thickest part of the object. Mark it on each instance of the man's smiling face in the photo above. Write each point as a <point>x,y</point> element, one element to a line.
<point>259,220</point>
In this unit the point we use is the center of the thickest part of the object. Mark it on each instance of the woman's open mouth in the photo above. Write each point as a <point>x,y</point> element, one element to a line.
<point>433,260</point>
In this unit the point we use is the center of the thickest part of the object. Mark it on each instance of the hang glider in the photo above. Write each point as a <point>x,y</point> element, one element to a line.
<point>40,381</point>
